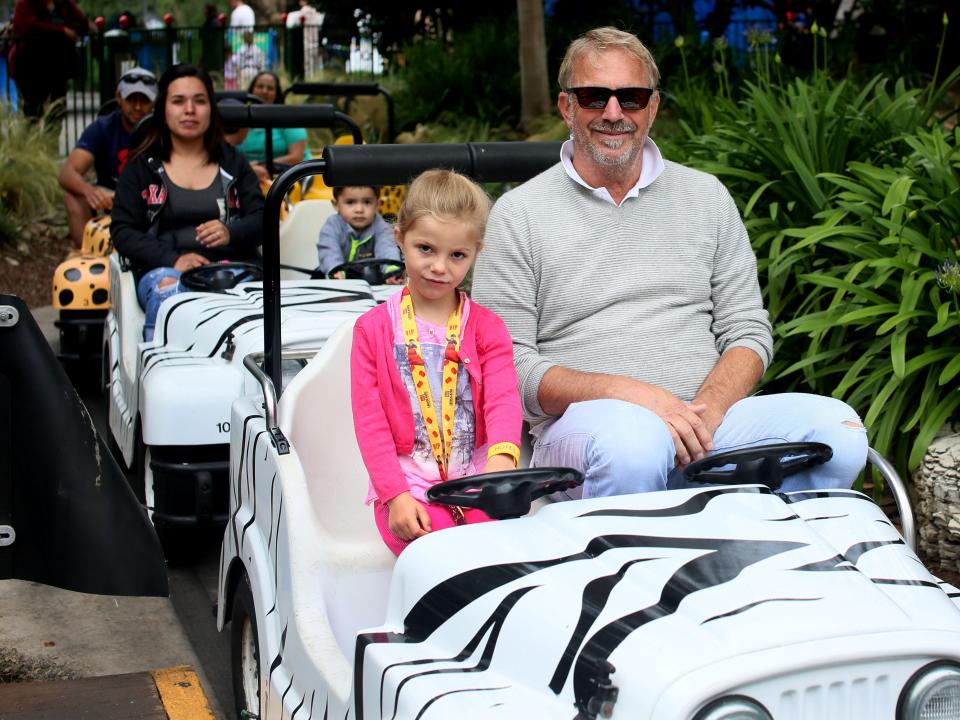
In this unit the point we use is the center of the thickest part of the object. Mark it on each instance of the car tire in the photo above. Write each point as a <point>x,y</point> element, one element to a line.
<point>245,652</point>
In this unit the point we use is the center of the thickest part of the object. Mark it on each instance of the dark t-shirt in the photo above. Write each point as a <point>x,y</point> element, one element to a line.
<point>109,143</point>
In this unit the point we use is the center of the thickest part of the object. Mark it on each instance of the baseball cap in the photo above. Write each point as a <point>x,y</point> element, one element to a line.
<point>138,80</point>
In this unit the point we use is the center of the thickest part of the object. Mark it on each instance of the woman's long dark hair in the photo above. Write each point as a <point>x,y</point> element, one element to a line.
<point>278,100</point>
<point>156,139</point>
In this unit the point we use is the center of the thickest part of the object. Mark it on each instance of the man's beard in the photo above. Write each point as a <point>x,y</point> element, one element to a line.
<point>596,149</point>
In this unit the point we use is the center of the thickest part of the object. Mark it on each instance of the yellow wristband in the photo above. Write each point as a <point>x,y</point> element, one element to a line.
<point>505,448</point>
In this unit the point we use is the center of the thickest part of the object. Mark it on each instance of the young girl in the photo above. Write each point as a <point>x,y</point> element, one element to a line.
<point>430,336</point>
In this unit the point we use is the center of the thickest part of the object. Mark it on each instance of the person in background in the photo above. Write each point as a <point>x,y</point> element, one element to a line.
<point>289,144</point>
<point>356,232</point>
<point>248,59</point>
<point>630,289</point>
<point>242,16</point>
<point>44,55</point>
<point>429,336</point>
<point>185,198</point>
<point>103,146</point>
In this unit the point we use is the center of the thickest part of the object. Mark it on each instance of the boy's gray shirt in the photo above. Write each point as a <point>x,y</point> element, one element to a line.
<point>333,245</point>
<point>656,289</point>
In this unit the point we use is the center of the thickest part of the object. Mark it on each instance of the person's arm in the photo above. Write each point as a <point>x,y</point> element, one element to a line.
<point>295,140</point>
<point>374,436</point>
<point>502,414</point>
<point>129,225</point>
<point>71,179</point>
<point>734,376</point>
<point>561,387</point>
<point>329,252</point>
<point>246,229</point>
<point>740,322</point>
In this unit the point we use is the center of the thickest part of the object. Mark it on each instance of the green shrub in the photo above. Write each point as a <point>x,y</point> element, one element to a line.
<point>28,167</point>
<point>880,319</point>
<point>476,77</point>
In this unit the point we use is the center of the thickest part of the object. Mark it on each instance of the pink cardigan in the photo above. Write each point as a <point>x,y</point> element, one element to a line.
<point>382,417</point>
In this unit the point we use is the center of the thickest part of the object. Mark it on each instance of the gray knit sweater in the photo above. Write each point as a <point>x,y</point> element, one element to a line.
<point>655,289</point>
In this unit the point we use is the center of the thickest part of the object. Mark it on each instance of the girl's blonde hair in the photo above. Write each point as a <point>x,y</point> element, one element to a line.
<point>444,195</point>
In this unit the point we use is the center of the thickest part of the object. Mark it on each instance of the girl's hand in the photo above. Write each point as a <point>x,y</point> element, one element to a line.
<point>189,260</point>
<point>395,280</point>
<point>408,518</point>
<point>499,463</point>
<point>213,233</point>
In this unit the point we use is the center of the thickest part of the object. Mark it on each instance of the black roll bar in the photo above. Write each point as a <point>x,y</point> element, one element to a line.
<point>348,90</point>
<point>286,116</point>
<point>382,165</point>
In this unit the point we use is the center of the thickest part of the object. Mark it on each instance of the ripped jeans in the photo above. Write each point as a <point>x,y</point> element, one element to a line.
<point>151,296</point>
<point>623,448</point>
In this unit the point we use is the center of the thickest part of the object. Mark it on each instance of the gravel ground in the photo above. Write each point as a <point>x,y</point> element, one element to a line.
<point>26,268</point>
<point>16,667</point>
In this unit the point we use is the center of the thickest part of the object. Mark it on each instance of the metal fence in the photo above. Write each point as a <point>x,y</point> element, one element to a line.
<point>233,57</point>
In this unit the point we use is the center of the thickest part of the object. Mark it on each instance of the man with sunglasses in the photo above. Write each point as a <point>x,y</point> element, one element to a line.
<point>103,146</point>
<point>630,288</point>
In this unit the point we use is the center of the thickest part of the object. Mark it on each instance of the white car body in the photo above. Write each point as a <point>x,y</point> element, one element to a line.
<point>811,604</point>
<point>170,398</point>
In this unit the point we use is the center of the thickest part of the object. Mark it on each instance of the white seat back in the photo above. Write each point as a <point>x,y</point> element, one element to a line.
<point>299,233</point>
<point>316,416</point>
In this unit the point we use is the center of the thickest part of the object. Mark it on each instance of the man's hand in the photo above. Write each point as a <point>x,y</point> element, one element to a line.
<point>395,280</point>
<point>70,33</point>
<point>408,518</point>
<point>261,172</point>
<point>213,233</point>
<point>692,437</point>
<point>190,260</point>
<point>98,198</point>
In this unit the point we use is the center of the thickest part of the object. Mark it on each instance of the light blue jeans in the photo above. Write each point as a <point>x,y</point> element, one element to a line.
<point>623,448</point>
<point>151,297</point>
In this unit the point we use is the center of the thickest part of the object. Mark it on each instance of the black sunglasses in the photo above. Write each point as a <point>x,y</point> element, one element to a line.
<point>596,98</point>
<point>145,78</point>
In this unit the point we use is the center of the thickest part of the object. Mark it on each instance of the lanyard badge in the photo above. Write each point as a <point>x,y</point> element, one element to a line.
<point>441,445</point>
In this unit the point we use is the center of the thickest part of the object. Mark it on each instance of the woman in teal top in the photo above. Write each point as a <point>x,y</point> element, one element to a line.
<point>289,144</point>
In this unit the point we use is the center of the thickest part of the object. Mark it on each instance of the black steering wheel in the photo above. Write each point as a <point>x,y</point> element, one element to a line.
<point>369,269</point>
<point>218,277</point>
<point>506,494</point>
<point>761,465</point>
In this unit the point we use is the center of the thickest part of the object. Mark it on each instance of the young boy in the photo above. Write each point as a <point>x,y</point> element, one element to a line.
<point>356,232</point>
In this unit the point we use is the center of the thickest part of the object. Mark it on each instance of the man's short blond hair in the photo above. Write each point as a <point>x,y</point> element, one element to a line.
<point>445,195</point>
<point>600,40</point>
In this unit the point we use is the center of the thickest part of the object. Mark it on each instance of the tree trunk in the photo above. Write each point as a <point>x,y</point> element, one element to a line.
<point>535,97</point>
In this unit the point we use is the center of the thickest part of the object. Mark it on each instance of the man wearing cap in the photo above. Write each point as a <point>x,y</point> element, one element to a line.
<point>104,146</point>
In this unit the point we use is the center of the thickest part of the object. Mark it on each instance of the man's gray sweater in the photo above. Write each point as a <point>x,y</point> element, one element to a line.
<point>656,289</point>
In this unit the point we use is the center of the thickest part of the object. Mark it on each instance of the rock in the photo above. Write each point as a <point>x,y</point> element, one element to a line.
<point>937,482</point>
<point>12,261</point>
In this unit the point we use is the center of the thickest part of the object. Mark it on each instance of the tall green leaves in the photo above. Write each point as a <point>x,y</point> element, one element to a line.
<point>851,195</point>
<point>879,297</point>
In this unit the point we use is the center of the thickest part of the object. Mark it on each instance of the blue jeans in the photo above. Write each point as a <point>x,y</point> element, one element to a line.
<point>623,448</point>
<point>151,296</point>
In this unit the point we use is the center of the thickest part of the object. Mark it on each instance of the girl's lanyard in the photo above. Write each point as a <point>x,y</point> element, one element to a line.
<point>441,445</point>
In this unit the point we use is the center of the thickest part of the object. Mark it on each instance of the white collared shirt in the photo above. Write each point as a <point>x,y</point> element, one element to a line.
<point>650,170</point>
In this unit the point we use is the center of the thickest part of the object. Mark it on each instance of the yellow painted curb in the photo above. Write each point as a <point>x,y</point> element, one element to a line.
<point>181,694</point>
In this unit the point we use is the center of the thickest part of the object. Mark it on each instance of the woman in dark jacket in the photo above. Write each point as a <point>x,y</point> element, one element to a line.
<point>185,197</point>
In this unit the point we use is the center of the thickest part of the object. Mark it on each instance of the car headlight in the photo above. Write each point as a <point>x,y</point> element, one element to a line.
<point>733,707</point>
<point>933,693</point>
